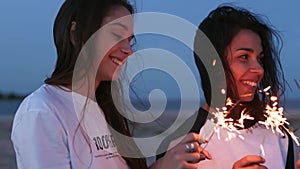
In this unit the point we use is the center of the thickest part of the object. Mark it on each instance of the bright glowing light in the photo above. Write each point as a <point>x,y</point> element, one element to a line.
<point>274,119</point>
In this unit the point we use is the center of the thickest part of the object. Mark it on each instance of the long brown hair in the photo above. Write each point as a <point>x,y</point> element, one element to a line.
<point>88,15</point>
<point>220,26</point>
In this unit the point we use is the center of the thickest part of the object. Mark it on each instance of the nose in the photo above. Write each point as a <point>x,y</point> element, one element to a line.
<point>126,47</point>
<point>256,67</point>
<point>127,51</point>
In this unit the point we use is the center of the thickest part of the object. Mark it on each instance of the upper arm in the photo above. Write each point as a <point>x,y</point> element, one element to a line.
<point>40,141</point>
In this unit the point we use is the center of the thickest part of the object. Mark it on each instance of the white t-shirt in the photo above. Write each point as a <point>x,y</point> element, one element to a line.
<point>226,153</point>
<point>45,133</point>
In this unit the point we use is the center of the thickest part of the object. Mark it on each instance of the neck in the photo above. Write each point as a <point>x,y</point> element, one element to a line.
<point>84,88</point>
<point>205,106</point>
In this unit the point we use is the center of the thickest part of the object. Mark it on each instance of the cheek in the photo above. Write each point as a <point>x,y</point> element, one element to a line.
<point>236,75</point>
<point>104,66</point>
<point>262,75</point>
<point>234,71</point>
<point>238,70</point>
<point>105,44</point>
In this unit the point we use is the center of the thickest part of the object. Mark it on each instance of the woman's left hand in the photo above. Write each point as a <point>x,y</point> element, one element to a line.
<point>185,155</point>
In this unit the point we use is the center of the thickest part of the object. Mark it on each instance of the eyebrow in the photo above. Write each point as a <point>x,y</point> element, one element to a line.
<point>119,24</point>
<point>249,50</point>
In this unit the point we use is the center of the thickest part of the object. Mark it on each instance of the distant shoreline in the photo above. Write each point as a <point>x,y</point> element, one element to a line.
<point>11,96</point>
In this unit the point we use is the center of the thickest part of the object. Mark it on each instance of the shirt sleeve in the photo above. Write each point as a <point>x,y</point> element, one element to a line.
<point>40,141</point>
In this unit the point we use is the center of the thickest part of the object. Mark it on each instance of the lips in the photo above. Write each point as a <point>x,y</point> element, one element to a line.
<point>249,83</point>
<point>116,60</point>
<point>249,87</point>
<point>247,90</point>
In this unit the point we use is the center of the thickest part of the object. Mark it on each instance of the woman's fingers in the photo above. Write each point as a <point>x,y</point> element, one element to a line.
<point>194,157</point>
<point>189,149</point>
<point>190,137</point>
<point>205,153</point>
<point>194,149</point>
<point>185,154</point>
<point>250,161</point>
<point>192,144</point>
<point>202,140</point>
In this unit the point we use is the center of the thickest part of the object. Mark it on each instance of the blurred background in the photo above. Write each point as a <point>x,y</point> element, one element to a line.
<point>28,53</point>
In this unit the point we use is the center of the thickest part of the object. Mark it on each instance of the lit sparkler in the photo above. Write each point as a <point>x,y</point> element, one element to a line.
<point>274,119</point>
<point>228,123</point>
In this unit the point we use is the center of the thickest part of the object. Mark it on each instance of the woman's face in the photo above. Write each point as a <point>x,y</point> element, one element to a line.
<point>113,42</point>
<point>244,56</point>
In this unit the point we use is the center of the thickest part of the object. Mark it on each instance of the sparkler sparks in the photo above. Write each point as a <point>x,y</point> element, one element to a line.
<point>244,116</point>
<point>214,62</point>
<point>274,119</point>
<point>227,123</point>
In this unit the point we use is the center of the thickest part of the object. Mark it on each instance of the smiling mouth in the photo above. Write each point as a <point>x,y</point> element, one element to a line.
<point>250,83</point>
<point>117,61</point>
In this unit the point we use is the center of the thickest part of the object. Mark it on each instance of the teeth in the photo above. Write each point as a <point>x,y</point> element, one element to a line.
<point>250,83</point>
<point>117,61</point>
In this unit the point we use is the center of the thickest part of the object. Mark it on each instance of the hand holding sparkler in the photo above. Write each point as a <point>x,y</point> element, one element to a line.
<point>249,162</point>
<point>185,154</point>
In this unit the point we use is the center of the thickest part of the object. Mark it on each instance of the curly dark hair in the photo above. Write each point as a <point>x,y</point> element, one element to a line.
<point>221,26</point>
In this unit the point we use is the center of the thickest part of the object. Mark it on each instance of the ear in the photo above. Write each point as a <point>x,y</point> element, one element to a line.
<point>72,32</point>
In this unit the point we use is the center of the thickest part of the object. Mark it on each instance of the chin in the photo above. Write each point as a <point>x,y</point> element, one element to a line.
<point>115,77</point>
<point>247,99</point>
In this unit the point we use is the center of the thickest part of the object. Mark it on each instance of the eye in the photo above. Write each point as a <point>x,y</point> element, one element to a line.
<point>243,57</point>
<point>117,35</point>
